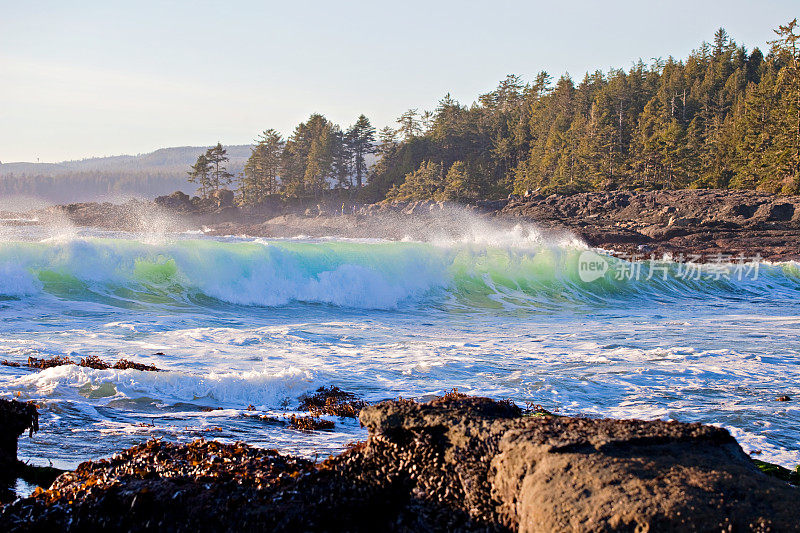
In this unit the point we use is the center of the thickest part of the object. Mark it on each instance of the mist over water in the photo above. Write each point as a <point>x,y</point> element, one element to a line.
<point>453,300</point>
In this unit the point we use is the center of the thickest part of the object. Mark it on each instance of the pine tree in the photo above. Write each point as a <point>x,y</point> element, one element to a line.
<point>462,183</point>
<point>456,183</point>
<point>425,183</point>
<point>262,170</point>
<point>200,173</point>
<point>753,163</point>
<point>387,141</point>
<point>320,158</point>
<point>410,125</point>
<point>219,176</point>
<point>360,141</point>
<point>342,160</point>
<point>309,157</point>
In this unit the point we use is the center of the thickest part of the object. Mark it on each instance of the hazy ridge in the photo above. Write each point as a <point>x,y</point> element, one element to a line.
<point>113,177</point>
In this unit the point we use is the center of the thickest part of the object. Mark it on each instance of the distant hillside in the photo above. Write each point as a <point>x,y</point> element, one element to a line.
<point>115,177</point>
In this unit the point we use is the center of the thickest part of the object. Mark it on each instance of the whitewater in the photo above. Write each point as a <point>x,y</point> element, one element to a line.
<point>244,326</point>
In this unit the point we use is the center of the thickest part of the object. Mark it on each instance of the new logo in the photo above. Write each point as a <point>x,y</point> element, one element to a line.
<point>591,266</point>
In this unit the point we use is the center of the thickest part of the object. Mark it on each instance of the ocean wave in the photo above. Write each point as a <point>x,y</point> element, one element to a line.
<point>518,270</point>
<point>16,281</point>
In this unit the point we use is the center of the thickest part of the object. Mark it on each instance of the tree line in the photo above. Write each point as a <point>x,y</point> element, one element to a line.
<point>317,157</point>
<point>724,117</point>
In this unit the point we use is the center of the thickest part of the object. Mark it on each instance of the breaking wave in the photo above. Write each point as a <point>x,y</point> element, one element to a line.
<point>359,274</point>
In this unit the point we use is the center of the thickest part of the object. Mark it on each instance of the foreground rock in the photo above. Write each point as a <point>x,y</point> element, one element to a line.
<point>453,464</point>
<point>15,418</point>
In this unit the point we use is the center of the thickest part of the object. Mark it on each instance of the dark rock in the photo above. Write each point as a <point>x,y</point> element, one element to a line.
<point>34,362</point>
<point>178,201</point>
<point>775,212</point>
<point>94,362</point>
<point>91,361</point>
<point>202,485</point>
<point>310,423</point>
<point>102,215</point>
<point>227,211</point>
<point>737,209</point>
<point>453,464</point>
<point>15,418</point>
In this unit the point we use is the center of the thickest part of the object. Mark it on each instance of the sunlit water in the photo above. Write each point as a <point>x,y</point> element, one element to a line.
<point>257,322</point>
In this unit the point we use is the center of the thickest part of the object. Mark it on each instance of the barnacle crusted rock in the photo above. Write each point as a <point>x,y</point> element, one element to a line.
<point>453,464</point>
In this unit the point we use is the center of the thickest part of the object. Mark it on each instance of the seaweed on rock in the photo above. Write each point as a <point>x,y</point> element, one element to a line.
<point>91,361</point>
<point>332,401</point>
<point>43,363</point>
<point>124,364</point>
<point>94,362</point>
<point>309,423</point>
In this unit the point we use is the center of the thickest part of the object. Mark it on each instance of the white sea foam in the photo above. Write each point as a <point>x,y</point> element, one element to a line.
<point>761,447</point>
<point>228,389</point>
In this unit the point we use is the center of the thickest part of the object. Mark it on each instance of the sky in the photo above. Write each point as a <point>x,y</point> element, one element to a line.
<point>94,78</point>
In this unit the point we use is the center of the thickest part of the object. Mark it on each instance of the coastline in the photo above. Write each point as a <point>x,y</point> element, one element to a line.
<point>692,225</point>
<point>439,463</point>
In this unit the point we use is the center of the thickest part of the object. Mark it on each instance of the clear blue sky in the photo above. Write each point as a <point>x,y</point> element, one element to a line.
<point>89,78</point>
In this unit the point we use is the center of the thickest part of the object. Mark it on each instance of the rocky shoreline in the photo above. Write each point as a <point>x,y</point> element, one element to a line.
<point>455,463</point>
<point>690,225</point>
<point>682,223</point>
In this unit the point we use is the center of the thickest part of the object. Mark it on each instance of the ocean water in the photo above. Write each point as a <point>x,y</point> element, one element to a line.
<point>505,313</point>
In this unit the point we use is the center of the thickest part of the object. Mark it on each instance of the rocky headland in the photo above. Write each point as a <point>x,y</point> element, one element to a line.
<point>682,223</point>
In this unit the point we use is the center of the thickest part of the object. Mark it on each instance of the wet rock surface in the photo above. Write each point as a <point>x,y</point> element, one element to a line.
<point>453,464</point>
